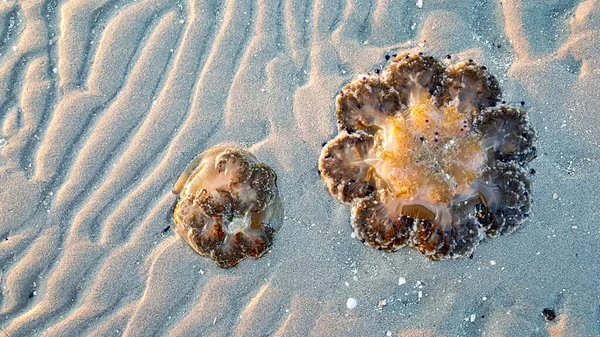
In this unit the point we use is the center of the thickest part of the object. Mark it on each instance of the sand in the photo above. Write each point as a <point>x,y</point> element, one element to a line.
<point>104,102</point>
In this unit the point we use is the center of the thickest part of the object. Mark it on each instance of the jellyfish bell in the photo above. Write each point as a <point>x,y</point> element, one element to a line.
<point>229,206</point>
<point>426,158</point>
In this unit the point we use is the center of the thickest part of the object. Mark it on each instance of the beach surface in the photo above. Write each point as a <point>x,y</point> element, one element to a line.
<point>104,102</point>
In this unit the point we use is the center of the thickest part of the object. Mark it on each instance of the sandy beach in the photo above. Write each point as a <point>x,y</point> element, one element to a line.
<point>103,103</point>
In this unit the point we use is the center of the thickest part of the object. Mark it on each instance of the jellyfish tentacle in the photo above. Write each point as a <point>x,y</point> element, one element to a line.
<point>508,132</point>
<point>415,77</point>
<point>346,167</point>
<point>470,88</point>
<point>364,103</point>
<point>380,225</point>
<point>513,187</point>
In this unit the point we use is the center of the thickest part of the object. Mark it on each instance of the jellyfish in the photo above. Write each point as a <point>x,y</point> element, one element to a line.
<point>229,207</point>
<point>427,157</point>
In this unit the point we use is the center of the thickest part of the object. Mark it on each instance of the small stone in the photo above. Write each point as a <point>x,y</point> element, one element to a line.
<point>351,303</point>
<point>382,303</point>
<point>420,3</point>
<point>554,196</point>
<point>401,281</point>
<point>549,314</point>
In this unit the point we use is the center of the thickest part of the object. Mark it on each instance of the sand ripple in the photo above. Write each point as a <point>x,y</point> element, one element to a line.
<point>104,102</point>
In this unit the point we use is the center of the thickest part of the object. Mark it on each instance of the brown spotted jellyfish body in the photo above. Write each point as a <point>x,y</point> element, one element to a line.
<point>229,206</point>
<point>427,158</point>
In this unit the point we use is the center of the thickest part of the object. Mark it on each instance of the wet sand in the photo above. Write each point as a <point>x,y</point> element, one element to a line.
<point>103,103</point>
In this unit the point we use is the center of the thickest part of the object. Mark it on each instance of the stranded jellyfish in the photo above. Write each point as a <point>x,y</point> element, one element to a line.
<point>229,206</point>
<point>427,158</point>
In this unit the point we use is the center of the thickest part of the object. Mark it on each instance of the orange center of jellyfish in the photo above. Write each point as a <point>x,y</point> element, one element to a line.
<point>427,155</point>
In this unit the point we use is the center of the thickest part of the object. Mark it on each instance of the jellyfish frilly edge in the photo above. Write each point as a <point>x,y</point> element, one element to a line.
<point>229,207</point>
<point>427,157</point>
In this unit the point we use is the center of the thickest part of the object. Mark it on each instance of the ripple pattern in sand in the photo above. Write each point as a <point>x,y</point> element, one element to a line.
<point>103,103</point>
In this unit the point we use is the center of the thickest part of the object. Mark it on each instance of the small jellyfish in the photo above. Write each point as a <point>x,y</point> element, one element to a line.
<point>427,158</point>
<point>229,206</point>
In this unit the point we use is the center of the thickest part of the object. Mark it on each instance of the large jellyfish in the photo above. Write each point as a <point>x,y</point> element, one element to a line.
<point>427,158</point>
